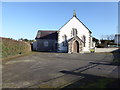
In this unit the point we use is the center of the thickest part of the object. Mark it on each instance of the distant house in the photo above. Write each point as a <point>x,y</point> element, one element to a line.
<point>72,37</point>
<point>117,38</point>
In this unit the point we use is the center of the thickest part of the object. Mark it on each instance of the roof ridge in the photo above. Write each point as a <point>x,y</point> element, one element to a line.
<point>48,30</point>
<point>79,21</point>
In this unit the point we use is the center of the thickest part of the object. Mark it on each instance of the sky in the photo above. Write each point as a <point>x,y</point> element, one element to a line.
<point>24,19</point>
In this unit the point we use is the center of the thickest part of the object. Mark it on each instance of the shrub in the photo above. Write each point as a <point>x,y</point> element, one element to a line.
<point>92,50</point>
<point>13,47</point>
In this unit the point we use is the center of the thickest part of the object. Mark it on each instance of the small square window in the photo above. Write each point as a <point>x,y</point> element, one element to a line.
<point>45,43</point>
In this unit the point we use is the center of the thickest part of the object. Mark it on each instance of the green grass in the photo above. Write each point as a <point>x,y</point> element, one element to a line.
<point>92,50</point>
<point>116,59</point>
<point>13,47</point>
<point>19,55</point>
<point>101,83</point>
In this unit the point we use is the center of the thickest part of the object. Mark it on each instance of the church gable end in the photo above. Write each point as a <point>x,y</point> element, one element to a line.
<point>74,28</point>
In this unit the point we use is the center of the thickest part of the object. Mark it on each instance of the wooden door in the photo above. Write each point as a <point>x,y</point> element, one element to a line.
<point>76,47</point>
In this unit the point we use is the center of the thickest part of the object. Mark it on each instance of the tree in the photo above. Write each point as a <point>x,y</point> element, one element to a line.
<point>95,40</point>
<point>107,37</point>
<point>21,39</point>
<point>112,36</point>
<point>26,40</point>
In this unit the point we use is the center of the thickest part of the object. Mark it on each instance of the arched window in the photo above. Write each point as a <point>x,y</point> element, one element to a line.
<point>74,32</point>
<point>64,40</point>
<point>84,39</point>
<point>64,37</point>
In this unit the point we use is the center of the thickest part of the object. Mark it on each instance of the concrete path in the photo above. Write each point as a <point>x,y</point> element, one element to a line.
<point>47,69</point>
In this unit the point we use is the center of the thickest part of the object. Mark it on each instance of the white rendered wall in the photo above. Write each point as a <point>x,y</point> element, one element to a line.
<point>105,49</point>
<point>66,29</point>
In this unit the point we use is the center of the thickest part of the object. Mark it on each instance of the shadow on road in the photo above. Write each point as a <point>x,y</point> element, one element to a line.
<point>116,55</point>
<point>92,81</point>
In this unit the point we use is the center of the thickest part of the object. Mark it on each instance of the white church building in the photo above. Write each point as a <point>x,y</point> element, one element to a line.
<point>72,37</point>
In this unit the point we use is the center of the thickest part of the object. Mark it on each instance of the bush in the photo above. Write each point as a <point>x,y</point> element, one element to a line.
<point>92,50</point>
<point>13,47</point>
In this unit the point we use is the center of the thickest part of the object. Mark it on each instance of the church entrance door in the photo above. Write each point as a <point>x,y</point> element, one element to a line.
<point>76,47</point>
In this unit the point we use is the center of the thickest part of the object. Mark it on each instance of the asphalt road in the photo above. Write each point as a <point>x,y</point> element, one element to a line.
<point>36,68</point>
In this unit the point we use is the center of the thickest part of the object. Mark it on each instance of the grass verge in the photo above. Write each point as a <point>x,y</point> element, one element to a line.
<point>101,82</point>
<point>18,55</point>
<point>116,59</point>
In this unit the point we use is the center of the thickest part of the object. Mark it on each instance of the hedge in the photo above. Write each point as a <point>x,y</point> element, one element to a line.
<point>12,47</point>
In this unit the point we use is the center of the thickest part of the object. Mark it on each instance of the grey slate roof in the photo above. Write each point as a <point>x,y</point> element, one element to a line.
<point>47,35</point>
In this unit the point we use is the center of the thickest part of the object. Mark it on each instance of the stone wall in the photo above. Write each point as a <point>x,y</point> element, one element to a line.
<point>105,49</point>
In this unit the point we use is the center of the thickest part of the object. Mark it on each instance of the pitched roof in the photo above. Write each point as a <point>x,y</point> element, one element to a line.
<point>75,38</point>
<point>78,20</point>
<point>47,35</point>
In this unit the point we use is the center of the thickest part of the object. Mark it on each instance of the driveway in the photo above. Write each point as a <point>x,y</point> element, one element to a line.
<point>34,69</point>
